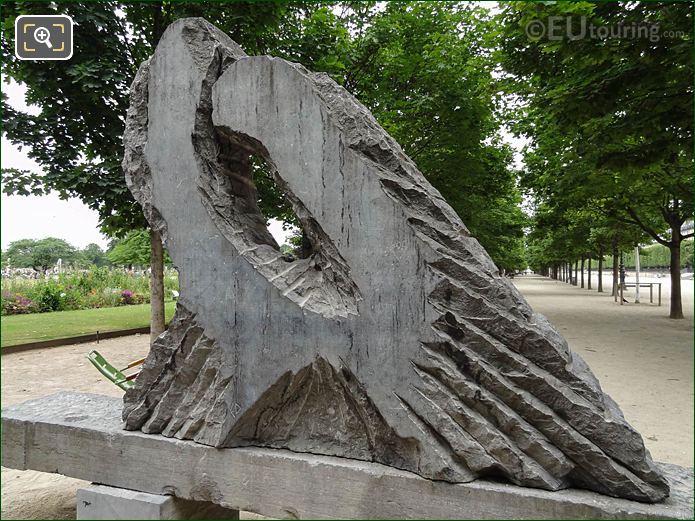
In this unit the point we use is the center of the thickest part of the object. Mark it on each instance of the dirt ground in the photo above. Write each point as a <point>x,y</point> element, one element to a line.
<point>31,374</point>
<point>643,360</point>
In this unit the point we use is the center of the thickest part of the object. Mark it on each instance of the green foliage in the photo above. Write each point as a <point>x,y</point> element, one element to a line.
<point>423,68</point>
<point>133,250</point>
<point>76,136</point>
<point>93,288</point>
<point>272,200</point>
<point>43,254</point>
<point>657,256</point>
<point>83,101</point>
<point>609,163</point>
<point>40,255</point>
<point>91,255</point>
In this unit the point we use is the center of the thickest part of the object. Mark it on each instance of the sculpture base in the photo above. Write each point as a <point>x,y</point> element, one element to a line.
<point>101,502</point>
<point>81,436</point>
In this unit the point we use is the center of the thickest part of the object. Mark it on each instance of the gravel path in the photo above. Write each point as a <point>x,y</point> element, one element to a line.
<point>643,359</point>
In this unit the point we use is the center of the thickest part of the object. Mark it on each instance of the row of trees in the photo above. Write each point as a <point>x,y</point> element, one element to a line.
<point>423,68</point>
<point>43,254</point>
<point>657,256</point>
<point>609,164</point>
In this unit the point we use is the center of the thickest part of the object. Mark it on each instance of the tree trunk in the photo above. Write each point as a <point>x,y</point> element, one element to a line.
<point>159,23</point>
<point>156,286</point>
<point>582,275</point>
<point>675,268</point>
<point>675,220</point>
<point>588,285</point>
<point>614,292</point>
<point>600,270</point>
<point>576,271</point>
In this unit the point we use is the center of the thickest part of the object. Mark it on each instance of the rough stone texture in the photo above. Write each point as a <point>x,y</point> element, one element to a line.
<point>396,340</point>
<point>100,502</point>
<point>81,435</point>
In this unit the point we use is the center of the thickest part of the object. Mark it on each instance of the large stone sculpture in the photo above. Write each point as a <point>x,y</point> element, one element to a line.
<point>394,340</point>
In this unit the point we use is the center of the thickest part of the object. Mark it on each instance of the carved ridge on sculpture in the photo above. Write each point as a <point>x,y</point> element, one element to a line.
<point>323,391</point>
<point>273,420</point>
<point>134,164</point>
<point>500,391</point>
<point>584,388</point>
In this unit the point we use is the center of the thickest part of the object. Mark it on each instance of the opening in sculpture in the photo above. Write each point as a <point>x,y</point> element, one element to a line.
<point>246,166</point>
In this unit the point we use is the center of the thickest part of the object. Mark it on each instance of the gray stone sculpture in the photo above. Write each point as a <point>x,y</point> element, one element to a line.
<point>395,340</point>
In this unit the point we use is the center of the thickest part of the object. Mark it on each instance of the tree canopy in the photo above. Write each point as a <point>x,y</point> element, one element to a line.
<point>92,255</point>
<point>423,68</point>
<point>132,250</point>
<point>41,255</point>
<point>610,124</point>
<point>425,71</point>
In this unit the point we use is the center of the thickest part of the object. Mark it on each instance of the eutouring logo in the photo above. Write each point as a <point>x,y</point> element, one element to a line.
<point>556,28</point>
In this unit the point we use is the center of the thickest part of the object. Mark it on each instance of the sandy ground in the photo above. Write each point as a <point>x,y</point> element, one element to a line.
<point>30,374</point>
<point>643,359</point>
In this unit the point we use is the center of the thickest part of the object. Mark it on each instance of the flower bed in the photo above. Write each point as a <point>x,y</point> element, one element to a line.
<point>95,288</point>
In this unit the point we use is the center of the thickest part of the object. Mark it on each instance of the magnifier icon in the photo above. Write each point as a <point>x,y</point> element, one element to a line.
<point>42,35</point>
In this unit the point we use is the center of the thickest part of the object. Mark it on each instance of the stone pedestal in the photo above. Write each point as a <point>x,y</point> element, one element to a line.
<point>81,436</point>
<point>102,502</point>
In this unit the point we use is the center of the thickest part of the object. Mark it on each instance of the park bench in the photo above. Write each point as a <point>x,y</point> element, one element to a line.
<point>649,285</point>
<point>143,476</point>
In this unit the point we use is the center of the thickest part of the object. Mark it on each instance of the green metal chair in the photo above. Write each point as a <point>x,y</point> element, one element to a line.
<point>117,376</point>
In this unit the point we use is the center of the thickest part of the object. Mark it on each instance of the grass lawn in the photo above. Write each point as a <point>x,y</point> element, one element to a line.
<point>20,329</point>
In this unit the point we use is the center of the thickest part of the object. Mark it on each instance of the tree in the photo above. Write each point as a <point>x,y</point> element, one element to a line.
<point>18,254</point>
<point>83,101</point>
<point>91,255</point>
<point>611,119</point>
<point>132,250</point>
<point>422,67</point>
<point>41,255</point>
<point>425,70</point>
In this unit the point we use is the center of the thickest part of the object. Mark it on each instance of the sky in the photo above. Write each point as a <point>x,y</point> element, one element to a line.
<point>33,217</point>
